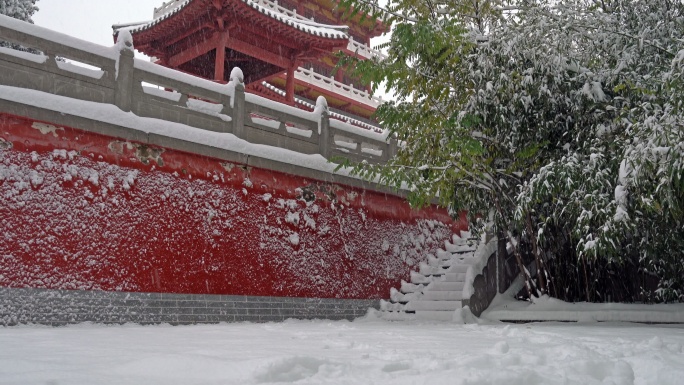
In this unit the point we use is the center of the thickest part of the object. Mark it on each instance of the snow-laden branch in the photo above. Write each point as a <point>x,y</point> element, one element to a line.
<point>388,11</point>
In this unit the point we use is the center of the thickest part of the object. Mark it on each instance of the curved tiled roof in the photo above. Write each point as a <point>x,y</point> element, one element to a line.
<point>147,25</point>
<point>313,28</point>
<point>310,27</point>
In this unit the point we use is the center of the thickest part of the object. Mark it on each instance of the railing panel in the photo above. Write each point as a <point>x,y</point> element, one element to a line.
<point>27,72</point>
<point>55,43</point>
<point>183,83</point>
<point>360,144</point>
<point>329,83</point>
<point>17,74</point>
<point>275,128</point>
<point>356,151</point>
<point>268,119</point>
<point>194,113</point>
<point>182,99</point>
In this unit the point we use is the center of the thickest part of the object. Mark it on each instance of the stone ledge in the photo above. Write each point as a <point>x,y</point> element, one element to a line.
<point>63,307</point>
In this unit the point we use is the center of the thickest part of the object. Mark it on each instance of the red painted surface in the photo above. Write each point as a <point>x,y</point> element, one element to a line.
<point>85,211</point>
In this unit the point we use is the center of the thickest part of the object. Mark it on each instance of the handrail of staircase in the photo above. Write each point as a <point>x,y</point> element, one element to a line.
<point>487,276</point>
<point>114,76</point>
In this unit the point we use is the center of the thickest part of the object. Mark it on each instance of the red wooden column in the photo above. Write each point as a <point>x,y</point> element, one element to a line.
<point>219,66</point>
<point>290,83</point>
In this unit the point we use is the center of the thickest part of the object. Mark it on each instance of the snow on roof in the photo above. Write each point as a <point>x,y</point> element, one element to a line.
<point>298,22</point>
<point>145,25</point>
<point>323,30</point>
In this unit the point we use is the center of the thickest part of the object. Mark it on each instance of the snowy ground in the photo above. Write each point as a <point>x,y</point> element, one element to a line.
<point>505,308</point>
<point>324,352</point>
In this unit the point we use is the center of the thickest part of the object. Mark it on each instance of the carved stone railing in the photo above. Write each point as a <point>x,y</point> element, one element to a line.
<point>330,84</point>
<point>111,75</point>
<point>365,51</point>
<point>335,115</point>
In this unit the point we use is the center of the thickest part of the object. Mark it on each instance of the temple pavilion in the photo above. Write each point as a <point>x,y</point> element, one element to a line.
<point>285,48</point>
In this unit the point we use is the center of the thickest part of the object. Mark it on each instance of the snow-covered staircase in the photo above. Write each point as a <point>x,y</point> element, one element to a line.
<point>436,289</point>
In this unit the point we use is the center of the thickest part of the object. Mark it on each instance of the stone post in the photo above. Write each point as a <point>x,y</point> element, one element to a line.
<point>124,72</point>
<point>392,147</point>
<point>324,134</point>
<point>238,115</point>
<point>50,64</point>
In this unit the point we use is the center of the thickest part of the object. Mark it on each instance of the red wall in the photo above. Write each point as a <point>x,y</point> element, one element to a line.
<point>85,211</point>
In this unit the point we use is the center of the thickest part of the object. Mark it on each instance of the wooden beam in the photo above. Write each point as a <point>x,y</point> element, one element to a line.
<point>259,53</point>
<point>194,52</point>
<point>175,39</point>
<point>268,78</point>
<point>253,35</point>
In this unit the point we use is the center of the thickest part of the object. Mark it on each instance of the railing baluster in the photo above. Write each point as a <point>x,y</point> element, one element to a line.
<point>324,132</point>
<point>124,74</point>
<point>238,116</point>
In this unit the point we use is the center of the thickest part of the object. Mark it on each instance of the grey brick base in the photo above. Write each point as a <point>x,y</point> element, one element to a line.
<point>62,307</point>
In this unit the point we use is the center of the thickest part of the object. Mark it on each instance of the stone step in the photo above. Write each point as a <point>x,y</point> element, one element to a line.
<point>464,261</point>
<point>441,296</point>
<point>417,278</point>
<point>436,274</point>
<point>443,254</point>
<point>464,258</point>
<point>389,306</point>
<point>433,305</point>
<point>452,264</point>
<point>434,261</point>
<point>459,249</point>
<point>457,268</point>
<point>458,241</point>
<point>454,277</point>
<point>398,297</point>
<point>445,286</point>
<point>434,315</point>
<point>397,316</point>
<point>410,287</point>
<point>426,270</point>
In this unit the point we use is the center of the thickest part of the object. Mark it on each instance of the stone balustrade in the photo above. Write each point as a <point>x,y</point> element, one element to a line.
<point>111,75</point>
<point>330,84</point>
